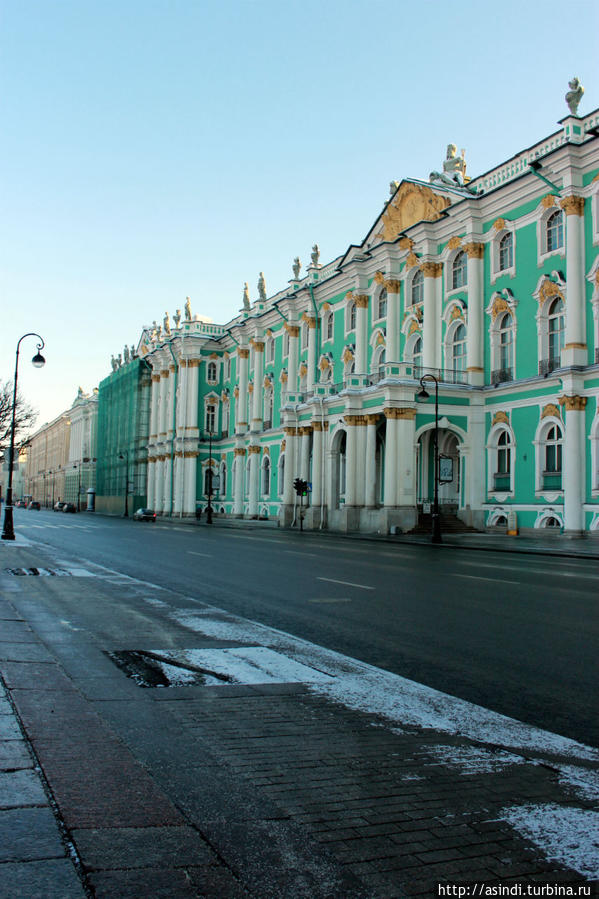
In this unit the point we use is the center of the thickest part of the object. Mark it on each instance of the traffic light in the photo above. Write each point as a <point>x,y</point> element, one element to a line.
<point>300,487</point>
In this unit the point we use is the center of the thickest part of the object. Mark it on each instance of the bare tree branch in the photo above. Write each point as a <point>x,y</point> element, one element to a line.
<point>24,421</point>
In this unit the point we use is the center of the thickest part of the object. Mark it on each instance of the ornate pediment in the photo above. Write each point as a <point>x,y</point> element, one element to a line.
<point>411,204</point>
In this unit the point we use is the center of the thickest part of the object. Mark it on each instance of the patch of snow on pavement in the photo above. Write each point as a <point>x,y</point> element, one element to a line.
<point>567,835</point>
<point>366,688</point>
<point>474,759</point>
<point>250,665</point>
<point>585,783</point>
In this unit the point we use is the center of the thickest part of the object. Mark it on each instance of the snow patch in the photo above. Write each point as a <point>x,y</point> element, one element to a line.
<point>585,783</point>
<point>566,835</point>
<point>248,665</point>
<point>474,759</point>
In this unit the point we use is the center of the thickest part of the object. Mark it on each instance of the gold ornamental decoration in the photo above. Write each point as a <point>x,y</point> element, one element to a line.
<point>258,345</point>
<point>354,421</point>
<point>412,203</point>
<point>573,403</point>
<point>326,306</point>
<point>267,383</point>
<point>348,355</point>
<point>549,289</point>
<point>303,370</point>
<point>454,242</point>
<point>266,450</point>
<point>550,410</point>
<point>431,269</point>
<point>380,341</point>
<point>250,387</point>
<point>284,377</point>
<point>292,330</point>
<point>399,414</point>
<point>500,418</point>
<point>414,326</point>
<point>392,285</point>
<point>475,250</point>
<point>243,352</point>
<point>372,418</point>
<point>362,300</point>
<point>379,278</point>
<point>324,364</point>
<point>236,393</point>
<point>548,201</point>
<point>310,320</point>
<point>457,312</point>
<point>412,260</point>
<point>239,451</point>
<point>406,243</point>
<point>573,205</point>
<point>254,450</point>
<point>155,378</point>
<point>499,305</point>
<point>499,224</point>
<point>283,445</point>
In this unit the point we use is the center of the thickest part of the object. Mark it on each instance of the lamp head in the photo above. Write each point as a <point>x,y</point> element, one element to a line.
<point>38,360</point>
<point>422,394</point>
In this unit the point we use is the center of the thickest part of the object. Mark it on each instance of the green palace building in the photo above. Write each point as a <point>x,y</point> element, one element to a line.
<point>484,290</point>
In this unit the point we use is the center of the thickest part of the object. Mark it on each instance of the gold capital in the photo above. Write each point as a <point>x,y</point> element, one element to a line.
<point>392,285</point>
<point>254,450</point>
<point>573,205</point>
<point>548,201</point>
<point>362,300</point>
<point>431,269</point>
<point>372,419</point>
<point>475,250</point>
<point>292,330</point>
<point>354,421</point>
<point>239,451</point>
<point>399,413</point>
<point>243,352</point>
<point>573,403</point>
<point>258,345</point>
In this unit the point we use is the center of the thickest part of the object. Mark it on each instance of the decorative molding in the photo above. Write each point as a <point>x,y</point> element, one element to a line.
<point>317,426</point>
<point>573,205</point>
<point>266,450</point>
<point>412,260</point>
<point>454,242</point>
<point>372,418</point>
<point>303,370</point>
<point>499,224</point>
<point>392,285</point>
<point>289,431</point>
<point>499,305</point>
<point>362,300</point>
<point>398,414</point>
<point>379,278</point>
<point>326,307</point>
<point>573,403</point>
<point>412,203</point>
<point>239,451</point>
<point>414,326</point>
<point>475,250</point>
<point>456,312</point>
<point>243,352</point>
<point>292,330</point>
<point>500,418</point>
<point>354,421</point>
<point>213,356</point>
<point>348,355</point>
<point>324,364</point>
<point>550,410</point>
<point>548,201</point>
<point>431,269</point>
<point>548,289</point>
<point>254,450</point>
<point>406,243</point>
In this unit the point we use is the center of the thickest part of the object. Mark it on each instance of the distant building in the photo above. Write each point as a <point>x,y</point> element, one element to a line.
<point>18,475</point>
<point>490,285</point>
<point>61,461</point>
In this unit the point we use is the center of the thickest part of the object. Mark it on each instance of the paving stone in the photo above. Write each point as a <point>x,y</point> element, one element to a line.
<point>16,632</point>
<point>29,833</point>
<point>40,880</point>
<point>143,847</point>
<point>24,652</point>
<point>9,729</point>
<point>20,789</point>
<point>13,755</point>
<point>149,883</point>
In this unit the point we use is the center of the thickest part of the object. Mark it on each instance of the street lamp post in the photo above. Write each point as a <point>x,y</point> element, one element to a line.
<point>424,395</point>
<point>8,531</point>
<point>209,506</point>
<point>126,458</point>
<point>77,465</point>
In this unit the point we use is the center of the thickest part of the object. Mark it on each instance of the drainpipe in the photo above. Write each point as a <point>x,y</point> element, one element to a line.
<point>174,427</point>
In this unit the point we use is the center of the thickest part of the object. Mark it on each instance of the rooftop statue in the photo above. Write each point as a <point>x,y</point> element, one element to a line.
<point>119,361</point>
<point>315,254</point>
<point>187,309</point>
<point>246,296</point>
<point>126,354</point>
<point>454,168</point>
<point>177,318</point>
<point>297,265</point>
<point>261,287</point>
<point>574,95</point>
<point>154,331</point>
<point>133,353</point>
<point>113,364</point>
<point>167,324</point>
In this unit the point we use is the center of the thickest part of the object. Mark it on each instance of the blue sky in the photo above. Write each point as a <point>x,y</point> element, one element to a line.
<point>153,150</point>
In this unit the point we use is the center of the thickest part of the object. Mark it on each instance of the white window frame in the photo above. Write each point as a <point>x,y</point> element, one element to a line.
<point>544,213</point>
<point>542,317</point>
<point>450,344</point>
<point>493,450</point>
<point>540,445</point>
<point>510,270</point>
<point>264,466</point>
<point>209,367</point>
<point>351,317</point>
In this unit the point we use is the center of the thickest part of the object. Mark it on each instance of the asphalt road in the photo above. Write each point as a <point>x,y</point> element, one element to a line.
<point>514,633</point>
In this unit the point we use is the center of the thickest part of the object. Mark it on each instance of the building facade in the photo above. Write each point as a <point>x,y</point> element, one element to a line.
<point>61,458</point>
<point>489,286</point>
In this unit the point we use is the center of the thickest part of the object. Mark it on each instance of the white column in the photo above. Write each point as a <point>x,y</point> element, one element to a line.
<point>290,474</point>
<point>304,467</point>
<point>178,484</point>
<point>254,497</point>
<point>575,350</point>
<point>572,455</point>
<point>393,321</point>
<point>361,301</point>
<point>351,459</point>
<point>391,449</point>
<point>311,378</point>
<point>317,463</point>
<point>431,271</point>
<point>474,334</point>
<point>239,480</point>
<point>193,373</point>
<point>151,484</point>
<point>159,486</point>
<point>406,457</point>
<point>258,394</point>
<point>243,355</point>
<point>292,371</point>
<point>370,461</point>
<point>189,499</point>
<point>475,457</point>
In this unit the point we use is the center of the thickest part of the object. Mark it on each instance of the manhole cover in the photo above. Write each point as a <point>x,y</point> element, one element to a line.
<point>242,665</point>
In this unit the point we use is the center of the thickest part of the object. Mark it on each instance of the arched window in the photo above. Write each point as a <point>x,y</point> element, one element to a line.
<point>505,329</point>
<point>268,403</point>
<point>329,327</point>
<point>459,271</point>
<point>382,304</point>
<point>223,479</point>
<point>208,481</point>
<point>501,461</point>
<point>417,356</point>
<point>551,522</point>
<point>211,375</point>
<point>225,419</point>
<point>506,252</point>
<point>458,349</point>
<point>305,333</point>
<point>556,330</point>
<point>351,317</point>
<point>554,231</point>
<point>270,350</point>
<point>417,288</point>
<point>266,476</point>
<point>210,418</point>
<point>553,451</point>
<point>281,474</point>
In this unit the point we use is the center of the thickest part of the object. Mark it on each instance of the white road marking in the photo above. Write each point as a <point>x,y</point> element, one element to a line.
<point>298,552</point>
<point>522,569</point>
<point>206,555</point>
<point>332,580</point>
<point>494,580</point>
<point>329,600</point>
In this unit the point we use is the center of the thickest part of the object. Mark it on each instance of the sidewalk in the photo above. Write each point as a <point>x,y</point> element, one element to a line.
<point>268,790</point>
